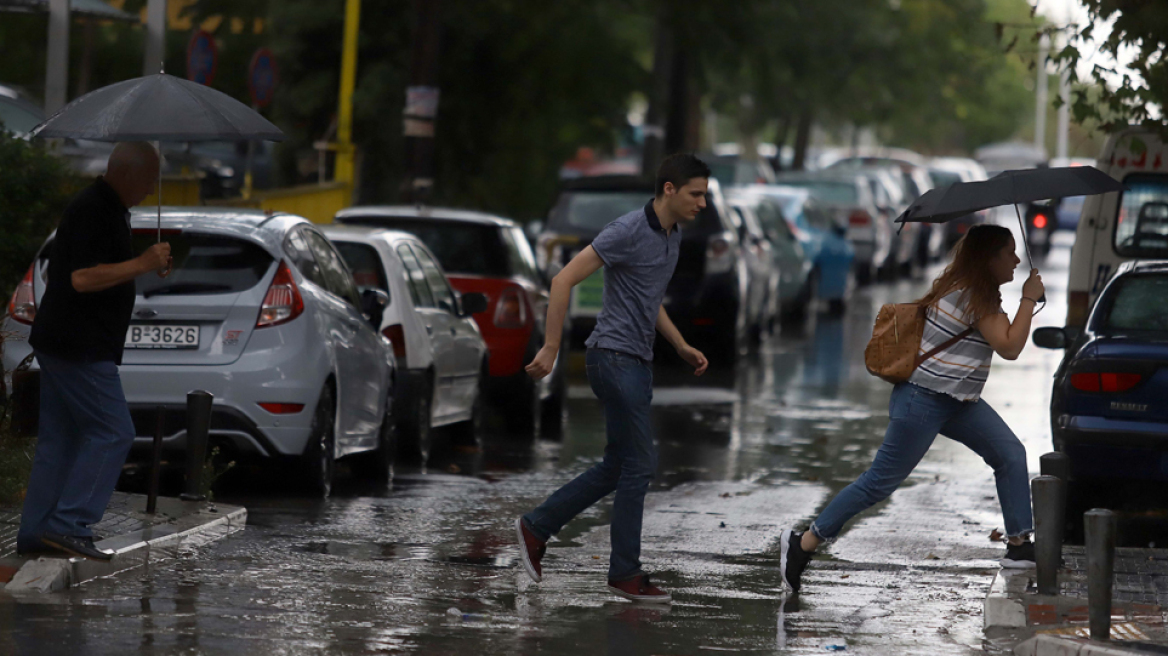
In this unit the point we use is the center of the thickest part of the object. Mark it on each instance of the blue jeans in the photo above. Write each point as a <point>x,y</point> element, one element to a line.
<point>917,416</point>
<point>624,385</point>
<point>85,433</point>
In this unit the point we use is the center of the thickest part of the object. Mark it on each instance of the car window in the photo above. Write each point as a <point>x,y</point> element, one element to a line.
<point>203,264</point>
<point>365,263</point>
<point>439,287</point>
<point>419,290</point>
<point>839,193</point>
<point>771,219</point>
<point>337,278</point>
<point>592,210</point>
<point>817,217</point>
<point>296,247</point>
<point>1141,225</point>
<point>1140,303</point>
<point>522,259</point>
<point>16,118</point>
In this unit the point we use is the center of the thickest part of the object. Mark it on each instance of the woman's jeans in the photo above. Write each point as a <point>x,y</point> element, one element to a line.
<point>84,436</point>
<point>624,385</point>
<point>917,416</point>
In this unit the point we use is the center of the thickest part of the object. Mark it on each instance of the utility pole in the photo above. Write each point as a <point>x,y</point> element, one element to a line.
<point>1041,100</point>
<point>1064,112</point>
<point>155,37</point>
<point>57,61</point>
<point>421,111</point>
<point>343,169</point>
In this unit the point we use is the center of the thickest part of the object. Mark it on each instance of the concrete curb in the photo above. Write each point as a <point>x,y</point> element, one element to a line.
<point>131,550</point>
<point>1003,606</point>
<point>1048,645</point>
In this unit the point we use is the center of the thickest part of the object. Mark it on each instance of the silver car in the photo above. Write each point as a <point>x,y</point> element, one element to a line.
<point>261,311</point>
<point>441,355</point>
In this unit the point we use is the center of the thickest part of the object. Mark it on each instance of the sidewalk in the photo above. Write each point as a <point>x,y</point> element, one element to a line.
<point>1038,625</point>
<point>135,537</point>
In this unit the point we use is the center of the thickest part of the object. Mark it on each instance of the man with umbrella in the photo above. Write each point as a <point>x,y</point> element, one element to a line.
<point>78,335</point>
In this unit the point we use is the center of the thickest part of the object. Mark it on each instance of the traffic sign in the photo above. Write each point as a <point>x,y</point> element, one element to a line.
<point>262,77</point>
<point>202,57</point>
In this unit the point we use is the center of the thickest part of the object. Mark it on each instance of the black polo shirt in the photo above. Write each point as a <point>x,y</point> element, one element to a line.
<point>95,229</point>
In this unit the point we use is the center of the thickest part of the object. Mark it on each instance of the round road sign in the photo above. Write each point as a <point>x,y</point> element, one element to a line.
<point>202,57</point>
<point>262,77</point>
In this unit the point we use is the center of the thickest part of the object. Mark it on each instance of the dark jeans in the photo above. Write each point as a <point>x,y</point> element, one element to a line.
<point>624,385</point>
<point>917,415</point>
<point>84,436</point>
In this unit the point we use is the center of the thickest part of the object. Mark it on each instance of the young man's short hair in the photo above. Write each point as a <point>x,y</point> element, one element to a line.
<point>679,169</point>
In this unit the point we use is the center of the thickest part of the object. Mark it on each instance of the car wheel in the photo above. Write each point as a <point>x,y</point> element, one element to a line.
<point>377,465</point>
<point>414,432</point>
<point>319,457</point>
<point>524,413</point>
<point>469,433</point>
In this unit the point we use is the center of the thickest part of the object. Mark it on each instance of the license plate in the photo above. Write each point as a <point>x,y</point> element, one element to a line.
<point>162,337</point>
<point>588,296</point>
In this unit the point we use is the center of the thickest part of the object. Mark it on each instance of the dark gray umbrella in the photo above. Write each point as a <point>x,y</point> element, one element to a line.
<point>158,108</point>
<point>1008,188</point>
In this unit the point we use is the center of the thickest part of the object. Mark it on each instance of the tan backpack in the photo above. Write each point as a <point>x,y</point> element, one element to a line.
<point>893,352</point>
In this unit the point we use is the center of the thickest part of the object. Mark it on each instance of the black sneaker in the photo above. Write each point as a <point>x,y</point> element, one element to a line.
<point>1019,556</point>
<point>792,559</point>
<point>76,546</point>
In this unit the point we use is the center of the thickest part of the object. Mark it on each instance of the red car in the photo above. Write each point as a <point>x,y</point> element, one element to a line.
<point>490,255</point>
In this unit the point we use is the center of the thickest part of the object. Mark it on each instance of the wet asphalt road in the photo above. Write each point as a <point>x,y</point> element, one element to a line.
<point>743,454</point>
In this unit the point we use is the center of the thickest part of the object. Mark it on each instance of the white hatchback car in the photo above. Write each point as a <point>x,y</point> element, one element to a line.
<point>441,356</point>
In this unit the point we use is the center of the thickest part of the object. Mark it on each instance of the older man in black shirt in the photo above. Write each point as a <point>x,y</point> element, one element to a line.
<point>78,336</point>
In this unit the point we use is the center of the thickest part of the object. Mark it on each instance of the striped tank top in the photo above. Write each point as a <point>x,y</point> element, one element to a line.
<point>962,369</point>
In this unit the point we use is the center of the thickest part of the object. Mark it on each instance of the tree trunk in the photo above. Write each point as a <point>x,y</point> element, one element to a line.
<point>682,125</point>
<point>780,141</point>
<point>654,127</point>
<point>802,139</point>
<point>420,127</point>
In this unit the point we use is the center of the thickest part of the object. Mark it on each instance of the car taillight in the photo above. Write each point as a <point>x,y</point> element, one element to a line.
<point>1107,382</point>
<point>1040,221</point>
<point>282,408</point>
<point>719,254</point>
<point>859,218</point>
<point>1078,305</point>
<point>397,337</point>
<point>282,303</point>
<point>510,310</point>
<point>22,307</point>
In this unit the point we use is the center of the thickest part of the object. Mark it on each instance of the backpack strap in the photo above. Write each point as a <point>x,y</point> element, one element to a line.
<point>949,342</point>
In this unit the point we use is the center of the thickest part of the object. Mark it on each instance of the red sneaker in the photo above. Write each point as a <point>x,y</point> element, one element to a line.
<point>531,550</point>
<point>640,589</point>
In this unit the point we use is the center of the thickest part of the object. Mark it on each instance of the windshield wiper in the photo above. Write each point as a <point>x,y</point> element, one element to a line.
<point>187,288</point>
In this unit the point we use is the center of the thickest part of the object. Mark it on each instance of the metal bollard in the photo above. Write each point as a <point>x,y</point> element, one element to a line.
<point>156,461</point>
<point>1055,464</point>
<point>1099,525</point>
<point>198,426</point>
<point>1049,497</point>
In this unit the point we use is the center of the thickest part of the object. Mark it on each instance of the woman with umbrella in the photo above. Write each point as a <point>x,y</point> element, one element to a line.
<point>943,396</point>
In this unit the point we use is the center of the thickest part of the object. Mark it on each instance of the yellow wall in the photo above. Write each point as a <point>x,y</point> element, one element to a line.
<point>176,190</point>
<point>317,203</point>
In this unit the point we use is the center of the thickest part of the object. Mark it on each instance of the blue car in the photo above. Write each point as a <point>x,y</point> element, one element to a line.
<point>1108,410</point>
<point>824,241</point>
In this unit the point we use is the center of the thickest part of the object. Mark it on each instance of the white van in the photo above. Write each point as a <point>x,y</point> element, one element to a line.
<point>1120,226</point>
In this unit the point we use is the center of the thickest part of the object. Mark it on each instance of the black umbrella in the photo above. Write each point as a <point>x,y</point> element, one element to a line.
<point>1008,188</point>
<point>158,108</point>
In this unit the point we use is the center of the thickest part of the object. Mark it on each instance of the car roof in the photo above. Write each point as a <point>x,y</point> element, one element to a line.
<point>775,190</point>
<point>609,183</point>
<point>1143,266</point>
<point>425,212</point>
<point>365,233</point>
<point>231,219</point>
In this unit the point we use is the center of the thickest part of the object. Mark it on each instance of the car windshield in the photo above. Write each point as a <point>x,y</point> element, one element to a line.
<point>203,264</point>
<point>16,118</point>
<point>592,210</point>
<point>365,264</point>
<point>1140,303</point>
<point>1141,229</point>
<point>460,246</point>
<point>834,192</point>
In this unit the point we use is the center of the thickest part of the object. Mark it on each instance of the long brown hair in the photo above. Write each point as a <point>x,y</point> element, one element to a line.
<point>970,272</point>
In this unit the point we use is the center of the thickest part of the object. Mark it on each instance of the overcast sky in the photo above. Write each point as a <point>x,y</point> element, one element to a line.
<point>1062,12</point>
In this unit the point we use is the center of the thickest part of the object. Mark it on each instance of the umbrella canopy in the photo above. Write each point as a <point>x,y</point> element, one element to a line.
<point>158,108</point>
<point>1008,188</point>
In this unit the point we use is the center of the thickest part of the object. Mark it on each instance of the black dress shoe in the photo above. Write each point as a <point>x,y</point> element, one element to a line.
<point>76,546</point>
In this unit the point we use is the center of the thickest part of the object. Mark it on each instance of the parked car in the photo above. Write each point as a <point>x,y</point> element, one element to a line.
<point>946,171</point>
<point>792,266</point>
<point>706,297</point>
<point>1107,406</point>
<point>1120,226</point>
<point>441,357</point>
<point>487,254</point>
<point>260,311</point>
<point>18,114</point>
<point>850,195</point>
<point>733,170</point>
<point>823,239</point>
<point>1069,211</point>
<point>762,272</point>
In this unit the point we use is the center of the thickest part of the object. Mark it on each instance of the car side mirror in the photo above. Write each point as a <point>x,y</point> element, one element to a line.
<point>533,229</point>
<point>373,304</point>
<point>474,303</point>
<point>1050,338</point>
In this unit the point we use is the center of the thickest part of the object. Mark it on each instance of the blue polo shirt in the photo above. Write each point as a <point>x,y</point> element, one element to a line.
<point>639,258</point>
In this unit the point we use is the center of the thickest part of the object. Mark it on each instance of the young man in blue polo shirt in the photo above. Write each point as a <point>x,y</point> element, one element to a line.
<point>638,252</point>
